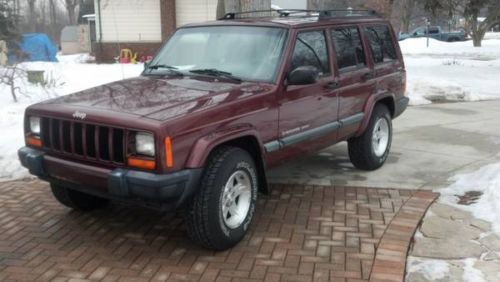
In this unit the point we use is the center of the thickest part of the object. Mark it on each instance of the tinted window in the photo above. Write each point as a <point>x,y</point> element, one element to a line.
<point>381,43</point>
<point>348,47</point>
<point>433,30</point>
<point>311,50</point>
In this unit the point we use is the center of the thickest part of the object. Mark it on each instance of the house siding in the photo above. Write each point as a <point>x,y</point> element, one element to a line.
<point>193,11</point>
<point>129,21</point>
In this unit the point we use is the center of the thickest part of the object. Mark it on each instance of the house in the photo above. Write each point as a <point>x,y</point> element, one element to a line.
<point>143,25</point>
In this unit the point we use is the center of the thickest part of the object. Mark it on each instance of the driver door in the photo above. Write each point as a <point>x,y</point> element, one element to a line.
<point>308,112</point>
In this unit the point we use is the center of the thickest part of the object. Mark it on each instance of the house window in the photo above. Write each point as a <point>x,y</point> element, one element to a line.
<point>381,44</point>
<point>348,47</point>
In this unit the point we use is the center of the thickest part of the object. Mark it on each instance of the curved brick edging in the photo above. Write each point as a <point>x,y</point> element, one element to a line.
<point>391,253</point>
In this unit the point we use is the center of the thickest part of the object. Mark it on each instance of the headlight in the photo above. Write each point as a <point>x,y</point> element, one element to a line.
<point>145,144</point>
<point>35,125</point>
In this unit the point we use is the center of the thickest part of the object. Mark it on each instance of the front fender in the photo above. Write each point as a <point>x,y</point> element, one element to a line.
<point>204,145</point>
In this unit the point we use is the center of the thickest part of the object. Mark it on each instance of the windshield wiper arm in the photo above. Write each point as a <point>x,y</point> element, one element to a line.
<point>216,72</point>
<point>170,68</point>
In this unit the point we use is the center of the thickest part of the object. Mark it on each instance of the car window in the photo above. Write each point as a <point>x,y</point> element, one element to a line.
<point>381,43</point>
<point>248,52</point>
<point>348,47</point>
<point>433,30</point>
<point>311,50</point>
<point>420,31</point>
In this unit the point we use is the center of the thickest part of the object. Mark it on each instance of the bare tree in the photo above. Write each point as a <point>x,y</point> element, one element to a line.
<point>71,9</point>
<point>470,10</point>
<point>10,76</point>
<point>31,15</point>
<point>478,29</point>
<point>407,9</point>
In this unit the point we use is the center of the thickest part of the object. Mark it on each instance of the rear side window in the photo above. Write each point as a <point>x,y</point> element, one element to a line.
<point>311,50</point>
<point>348,47</point>
<point>381,43</point>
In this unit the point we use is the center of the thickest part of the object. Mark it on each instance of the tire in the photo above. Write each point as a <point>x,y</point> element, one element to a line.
<point>209,222</point>
<point>368,155</point>
<point>77,200</point>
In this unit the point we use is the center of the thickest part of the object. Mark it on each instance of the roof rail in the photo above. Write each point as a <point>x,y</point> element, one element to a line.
<point>322,14</point>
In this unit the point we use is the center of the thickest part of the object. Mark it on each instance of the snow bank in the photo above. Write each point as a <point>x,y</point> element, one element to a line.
<point>68,76</point>
<point>451,72</point>
<point>485,180</point>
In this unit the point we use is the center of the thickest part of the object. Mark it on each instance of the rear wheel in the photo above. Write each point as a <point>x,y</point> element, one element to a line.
<point>219,215</point>
<point>370,150</point>
<point>77,200</point>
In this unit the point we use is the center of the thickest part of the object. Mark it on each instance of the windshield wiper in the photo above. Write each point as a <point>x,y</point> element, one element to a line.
<point>172,69</point>
<point>216,72</point>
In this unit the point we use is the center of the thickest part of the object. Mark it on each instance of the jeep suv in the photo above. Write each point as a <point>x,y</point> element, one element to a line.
<point>220,103</point>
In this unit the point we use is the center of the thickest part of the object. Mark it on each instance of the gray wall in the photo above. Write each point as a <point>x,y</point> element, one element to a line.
<point>291,4</point>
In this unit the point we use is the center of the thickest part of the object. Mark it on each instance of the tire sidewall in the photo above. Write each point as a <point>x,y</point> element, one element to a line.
<point>239,160</point>
<point>380,113</point>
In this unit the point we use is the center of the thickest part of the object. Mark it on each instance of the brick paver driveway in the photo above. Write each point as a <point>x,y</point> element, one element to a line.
<point>300,233</point>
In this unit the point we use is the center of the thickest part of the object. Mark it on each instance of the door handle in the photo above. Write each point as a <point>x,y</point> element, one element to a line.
<point>332,85</point>
<point>368,75</point>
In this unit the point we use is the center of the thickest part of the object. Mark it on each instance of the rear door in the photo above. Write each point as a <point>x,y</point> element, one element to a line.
<point>389,73</point>
<point>308,113</point>
<point>355,77</point>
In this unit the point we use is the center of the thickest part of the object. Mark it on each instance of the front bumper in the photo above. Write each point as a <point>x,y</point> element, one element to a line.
<point>164,191</point>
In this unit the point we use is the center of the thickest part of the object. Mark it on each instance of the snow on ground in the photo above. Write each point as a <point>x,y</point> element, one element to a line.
<point>446,72</point>
<point>69,75</point>
<point>430,269</point>
<point>485,180</point>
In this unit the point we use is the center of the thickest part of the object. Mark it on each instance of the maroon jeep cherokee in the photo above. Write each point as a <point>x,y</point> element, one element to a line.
<point>221,102</point>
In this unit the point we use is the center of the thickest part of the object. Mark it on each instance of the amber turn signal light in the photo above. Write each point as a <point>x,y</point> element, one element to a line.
<point>141,163</point>
<point>32,141</point>
<point>169,159</point>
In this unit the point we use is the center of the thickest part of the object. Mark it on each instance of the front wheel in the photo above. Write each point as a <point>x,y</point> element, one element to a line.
<point>370,150</point>
<point>219,215</point>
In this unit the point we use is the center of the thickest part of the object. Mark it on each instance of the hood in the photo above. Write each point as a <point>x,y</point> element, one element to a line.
<point>160,98</point>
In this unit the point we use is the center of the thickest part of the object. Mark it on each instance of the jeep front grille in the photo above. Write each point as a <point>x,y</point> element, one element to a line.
<point>83,140</point>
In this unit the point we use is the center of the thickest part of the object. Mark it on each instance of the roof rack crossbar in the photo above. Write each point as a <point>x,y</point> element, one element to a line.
<point>322,14</point>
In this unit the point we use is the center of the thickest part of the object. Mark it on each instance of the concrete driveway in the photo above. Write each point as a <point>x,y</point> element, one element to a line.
<point>431,143</point>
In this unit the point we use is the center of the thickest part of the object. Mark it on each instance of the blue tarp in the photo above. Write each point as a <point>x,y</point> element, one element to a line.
<point>38,47</point>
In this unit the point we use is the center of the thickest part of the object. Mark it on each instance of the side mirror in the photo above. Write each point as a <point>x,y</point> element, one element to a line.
<point>146,65</point>
<point>303,75</point>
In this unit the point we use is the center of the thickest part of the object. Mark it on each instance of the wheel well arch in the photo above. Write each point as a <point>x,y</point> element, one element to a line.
<point>387,100</point>
<point>389,103</point>
<point>252,145</point>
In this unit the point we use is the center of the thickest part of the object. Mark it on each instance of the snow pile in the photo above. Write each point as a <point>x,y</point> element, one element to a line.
<point>485,180</point>
<point>68,76</point>
<point>492,35</point>
<point>451,72</point>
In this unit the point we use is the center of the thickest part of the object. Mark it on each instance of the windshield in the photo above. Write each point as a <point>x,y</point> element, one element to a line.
<point>245,52</point>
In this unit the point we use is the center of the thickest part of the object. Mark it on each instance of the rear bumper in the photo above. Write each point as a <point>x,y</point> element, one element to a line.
<point>401,106</point>
<point>164,191</point>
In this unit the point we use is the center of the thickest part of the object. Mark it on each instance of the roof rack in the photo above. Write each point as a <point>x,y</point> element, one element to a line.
<point>321,14</point>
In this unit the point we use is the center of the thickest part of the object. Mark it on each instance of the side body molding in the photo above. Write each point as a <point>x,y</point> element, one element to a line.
<point>316,132</point>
